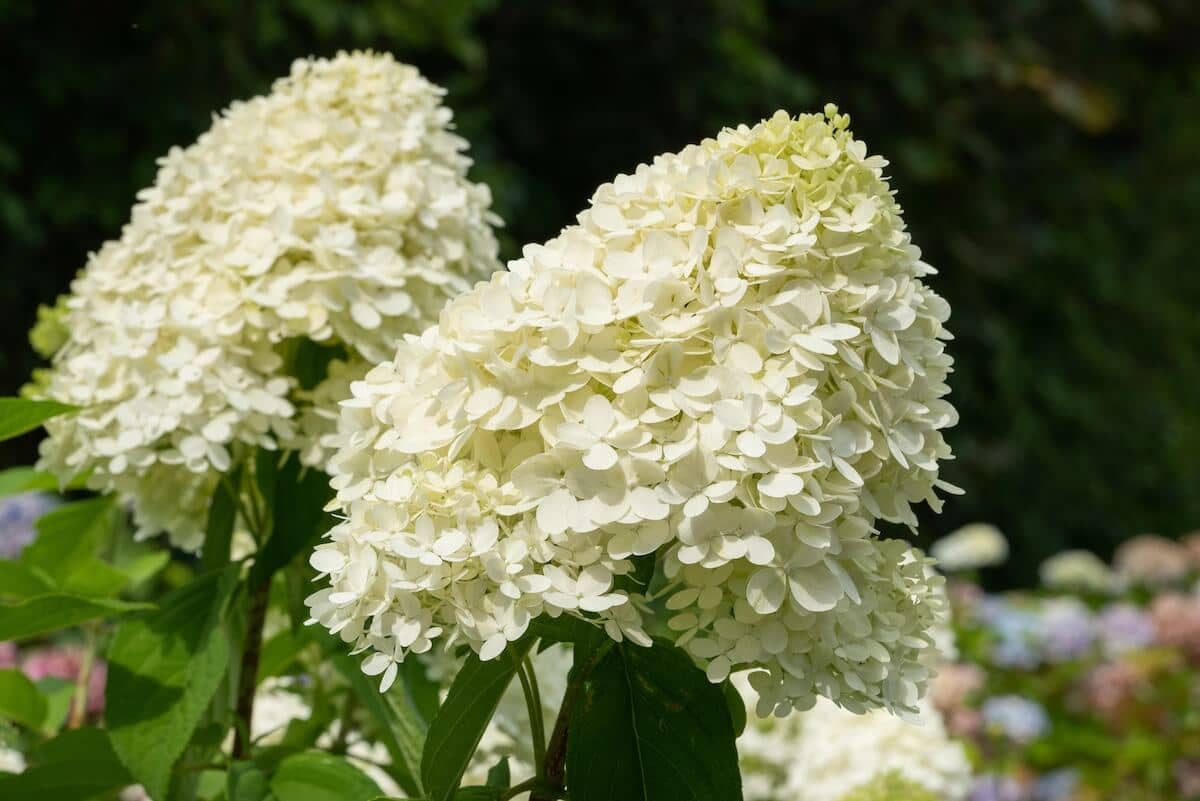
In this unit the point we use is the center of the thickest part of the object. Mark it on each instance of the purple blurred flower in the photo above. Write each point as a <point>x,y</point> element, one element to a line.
<point>18,513</point>
<point>1124,627</point>
<point>1017,718</point>
<point>1066,630</point>
<point>993,787</point>
<point>1057,785</point>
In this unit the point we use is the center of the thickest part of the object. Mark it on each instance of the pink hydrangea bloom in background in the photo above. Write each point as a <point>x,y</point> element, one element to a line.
<point>65,662</point>
<point>1110,689</point>
<point>1152,560</point>
<point>1176,619</point>
<point>8,655</point>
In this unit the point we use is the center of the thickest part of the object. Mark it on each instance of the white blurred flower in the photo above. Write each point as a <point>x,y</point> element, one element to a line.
<point>1077,570</point>
<point>731,362</point>
<point>334,210</point>
<point>971,547</point>
<point>11,761</point>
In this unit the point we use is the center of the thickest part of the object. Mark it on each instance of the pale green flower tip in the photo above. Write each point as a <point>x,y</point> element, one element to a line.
<point>892,786</point>
<point>50,332</point>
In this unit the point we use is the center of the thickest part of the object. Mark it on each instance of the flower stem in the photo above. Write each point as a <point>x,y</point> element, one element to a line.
<point>554,766</point>
<point>83,680</point>
<point>248,678</point>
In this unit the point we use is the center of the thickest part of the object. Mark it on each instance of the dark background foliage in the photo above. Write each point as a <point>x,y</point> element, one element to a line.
<point>1047,153</point>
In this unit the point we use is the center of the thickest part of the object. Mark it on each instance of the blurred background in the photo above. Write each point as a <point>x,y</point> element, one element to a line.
<point>1046,152</point>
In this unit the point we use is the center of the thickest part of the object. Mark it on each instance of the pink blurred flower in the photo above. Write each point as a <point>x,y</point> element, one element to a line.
<point>1109,690</point>
<point>1187,777</point>
<point>1176,619</point>
<point>1191,544</point>
<point>954,683</point>
<point>65,662</point>
<point>1151,559</point>
<point>8,655</point>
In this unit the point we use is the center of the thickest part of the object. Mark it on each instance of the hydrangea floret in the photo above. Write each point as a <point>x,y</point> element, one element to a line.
<point>334,210</point>
<point>731,362</point>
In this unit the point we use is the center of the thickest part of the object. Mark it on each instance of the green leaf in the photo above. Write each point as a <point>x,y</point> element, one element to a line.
<point>299,517</point>
<point>18,581</point>
<point>77,765</point>
<point>42,614</point>
<point>218,532</point>
<point>18,415</point>
<point>499,775</point>
<point>144,567</point>
<point>25,479</point>
<point>65,548</point>
<point>20,700</point>
<point>245,781</point>
<point>401,725</point>
<point>280,651</point>
<point>163,670</point>
<point>649,726</point>
<point>479,793</point>
<point>317,776</point>
<point>737,707</point>
<point>59,693</point>
<point>68,536</point>
<point>463,717</point>
<point>564,628</point>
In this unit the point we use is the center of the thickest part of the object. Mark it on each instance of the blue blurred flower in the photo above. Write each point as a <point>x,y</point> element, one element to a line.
<point>993,787</point>
<point>18,513</point>
<point>1017,718</point>
<point>1124,627</point>
<point>1057,785</point>
<point>1016,631</point>
<point>1065,629</point>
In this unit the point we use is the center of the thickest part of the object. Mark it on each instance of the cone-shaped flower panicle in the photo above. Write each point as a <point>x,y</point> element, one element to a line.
<point>731,362</point>
<point>334,210</point>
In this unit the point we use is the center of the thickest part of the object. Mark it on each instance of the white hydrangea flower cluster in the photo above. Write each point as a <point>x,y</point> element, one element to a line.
<point>336,209</point>
<point>731,361</point>
<point>827,753</point>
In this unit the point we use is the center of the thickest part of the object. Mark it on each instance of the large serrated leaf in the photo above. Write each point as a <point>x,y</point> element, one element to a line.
<point>163,670</point>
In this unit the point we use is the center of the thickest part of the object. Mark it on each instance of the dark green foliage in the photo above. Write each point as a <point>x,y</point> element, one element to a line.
<point>648,726</point>
<point>1047,155</point>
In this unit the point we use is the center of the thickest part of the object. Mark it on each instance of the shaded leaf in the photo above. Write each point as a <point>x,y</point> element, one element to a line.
<point>299,517</point>
<point>218,531</point>
<point>649,726</point>
<point>20,700</point>
<point>163,670</point>
<point>78,764</point>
